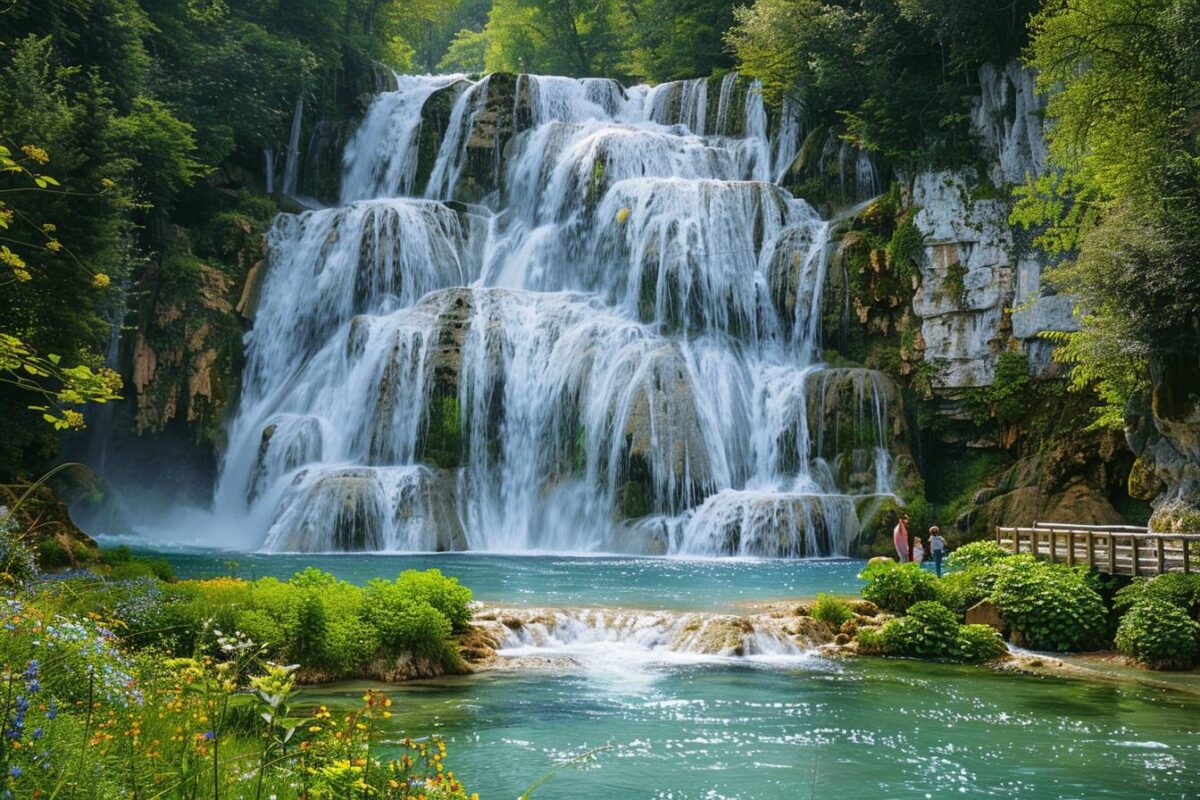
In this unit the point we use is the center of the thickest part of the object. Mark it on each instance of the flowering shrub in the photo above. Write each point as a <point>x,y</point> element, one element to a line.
<point>18,565</point>
<point>86,716</point>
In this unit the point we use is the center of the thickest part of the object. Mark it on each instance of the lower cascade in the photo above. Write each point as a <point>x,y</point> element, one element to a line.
<point>556,315</point>
<point>597,636</point>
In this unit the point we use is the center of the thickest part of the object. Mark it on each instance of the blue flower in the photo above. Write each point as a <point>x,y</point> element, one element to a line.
<point>52,712</point>
<point>209,736</point>
<point>37,733</point>
<point>15,771</point>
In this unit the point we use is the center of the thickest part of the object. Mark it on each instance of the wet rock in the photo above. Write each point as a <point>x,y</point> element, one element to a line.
<point>985,612</point>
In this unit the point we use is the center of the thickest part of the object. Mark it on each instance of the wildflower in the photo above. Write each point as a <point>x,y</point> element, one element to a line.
<point>209,736</point>
<point>15,771</point>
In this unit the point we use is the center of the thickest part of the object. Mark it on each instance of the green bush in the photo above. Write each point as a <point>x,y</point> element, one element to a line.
<point>447,595</point>
<point>402,621</point>
<point>115,555</point>
<point>930,630</point>
<point>979,643</point>
<point>832,610</point>
<point>17,563</point>
<point>52,555</point>
<point>958,591</point>
<point>975,554</point>
<point>1159,634</point>
<point>143,568</point>
<point>1172,587</point>
<point>1049,606</point>
<point>894,587</point>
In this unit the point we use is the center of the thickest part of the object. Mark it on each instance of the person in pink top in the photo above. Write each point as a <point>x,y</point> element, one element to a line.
<point>900,538</point>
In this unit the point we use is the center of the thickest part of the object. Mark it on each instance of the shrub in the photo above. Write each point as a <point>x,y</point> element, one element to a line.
<point>116,555</point>
<point>870,641</point>
<point>958,591</point>
<point>1159,634</point>
<point>143,568</point>
<point>1049,606</point>
<point>831,610</point>
<point>404,623</point>
<point>894,587</point>
<point>1172,587</point>
<point>975,554</point>
<point>52,555</point>
<point>447,595</point>
<point>979,643</point>
<point>929,630</point>
<point>17,563</point>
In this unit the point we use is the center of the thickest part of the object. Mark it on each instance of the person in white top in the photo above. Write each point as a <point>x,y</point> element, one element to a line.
<point>918,553</point>
<point>937,548</point>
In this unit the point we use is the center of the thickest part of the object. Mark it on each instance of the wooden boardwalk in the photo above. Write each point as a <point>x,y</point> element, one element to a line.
<point>1115,549</point>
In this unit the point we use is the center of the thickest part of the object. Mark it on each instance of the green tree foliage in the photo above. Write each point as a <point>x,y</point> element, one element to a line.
<point>557,37</point>
<point>134,103</point>
<point>1123,202</point>
<point>897,74</point>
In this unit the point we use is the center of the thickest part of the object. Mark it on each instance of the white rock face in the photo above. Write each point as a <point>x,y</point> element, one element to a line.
<point>975,287</point>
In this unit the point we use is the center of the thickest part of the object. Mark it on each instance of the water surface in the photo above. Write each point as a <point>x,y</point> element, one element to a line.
<point>863,729</point>
<point>659,583</point>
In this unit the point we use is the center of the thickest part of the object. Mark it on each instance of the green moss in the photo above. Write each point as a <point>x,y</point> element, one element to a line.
<point>443,444</point>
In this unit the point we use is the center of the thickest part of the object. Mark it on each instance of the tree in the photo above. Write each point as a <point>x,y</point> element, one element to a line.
<point>1122,204</point>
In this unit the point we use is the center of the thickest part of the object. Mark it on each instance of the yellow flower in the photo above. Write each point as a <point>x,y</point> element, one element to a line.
<point>36,153</point>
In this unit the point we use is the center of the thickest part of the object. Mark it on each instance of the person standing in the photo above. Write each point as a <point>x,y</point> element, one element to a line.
<point>900,538</point>
<point>918,551</point>
<point>937,548</point>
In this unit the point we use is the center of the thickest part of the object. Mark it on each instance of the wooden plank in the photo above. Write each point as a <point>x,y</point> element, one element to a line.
<point>1016,541</point>
<point>1091,548</point>
<point>1071,548</point>
<point>1162,564</point>
<point>1112,554</point>
<point>1052,536</point>
<point>1133,545</point>
<point>1187,568</point>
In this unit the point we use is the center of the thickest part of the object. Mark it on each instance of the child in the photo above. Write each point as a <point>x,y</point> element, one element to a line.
<point>937,548</point>
<point>918,551</point>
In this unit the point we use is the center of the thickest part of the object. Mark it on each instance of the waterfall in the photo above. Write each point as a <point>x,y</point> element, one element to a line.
<point>291,167</point>
<point>613,346</point>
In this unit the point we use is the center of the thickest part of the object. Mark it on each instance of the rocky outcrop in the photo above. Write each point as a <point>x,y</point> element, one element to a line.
<point>981,282</point>
<point>1164,434</point>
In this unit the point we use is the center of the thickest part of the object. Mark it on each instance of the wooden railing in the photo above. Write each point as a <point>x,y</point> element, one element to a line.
<point>1115,549</point>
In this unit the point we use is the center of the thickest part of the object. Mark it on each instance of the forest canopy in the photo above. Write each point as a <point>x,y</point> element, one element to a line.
<point>137,131</point>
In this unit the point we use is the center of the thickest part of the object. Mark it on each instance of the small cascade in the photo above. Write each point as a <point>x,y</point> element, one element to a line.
<point>613,346</point>
<point>291,168</point>
<point>605,638</point>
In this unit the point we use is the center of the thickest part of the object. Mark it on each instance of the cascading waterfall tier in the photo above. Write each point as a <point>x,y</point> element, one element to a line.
<point>556,314</point>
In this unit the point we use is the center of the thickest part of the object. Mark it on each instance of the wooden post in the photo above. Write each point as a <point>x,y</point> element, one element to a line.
<point>1052,535</point>
<point>1133,545</point>
<point>1091,549</point>
<point>1112,554</point>
<point>1162,561</point>
<point>1071,548</point>
<point>1187,568</point>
